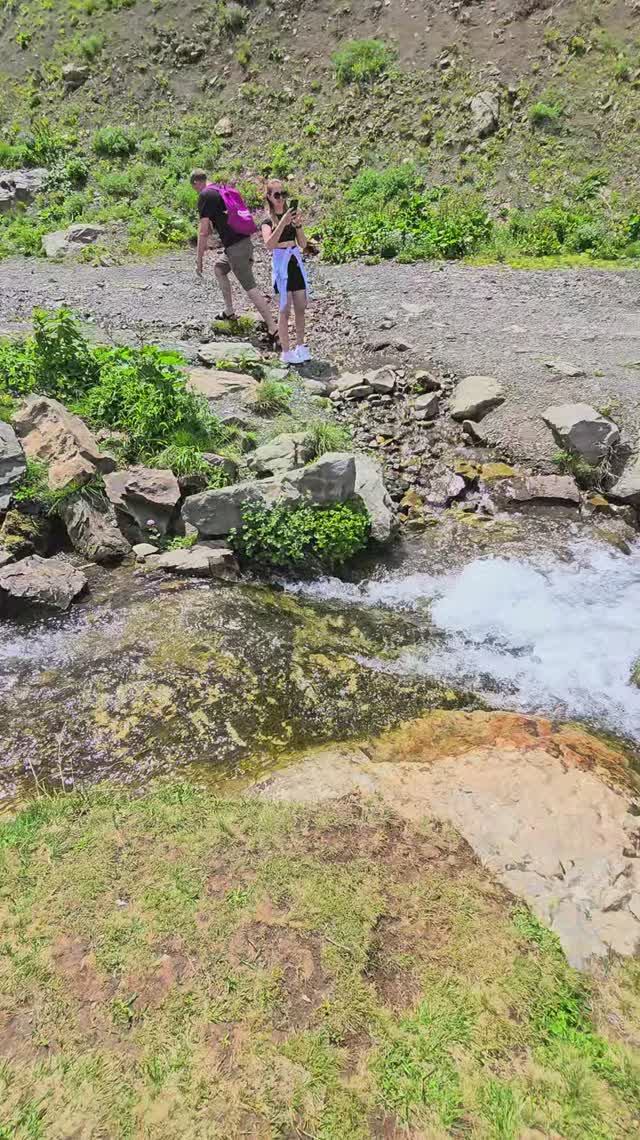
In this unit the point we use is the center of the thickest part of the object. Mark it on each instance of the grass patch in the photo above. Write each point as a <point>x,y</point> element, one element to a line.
<point>180,964</point>
<point>586,475</point>
<point>324,436</point>
<point>272,397</point>
<point>362,61</point>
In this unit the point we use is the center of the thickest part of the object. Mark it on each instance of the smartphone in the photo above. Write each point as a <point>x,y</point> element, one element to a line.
<point>293,205</point>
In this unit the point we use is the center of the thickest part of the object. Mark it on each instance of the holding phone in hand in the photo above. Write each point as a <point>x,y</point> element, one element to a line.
<point>283,235</point>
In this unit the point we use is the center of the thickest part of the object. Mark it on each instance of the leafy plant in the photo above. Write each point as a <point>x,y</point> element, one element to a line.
<point>391,213</point>
<point>361,61</point>
<point>34,489</point>
<point>586,475</point>
<point>307,536</point>
<point>114,142</point>
<point>186,460</point>
<point>272,396</point>
<point>182,542</point>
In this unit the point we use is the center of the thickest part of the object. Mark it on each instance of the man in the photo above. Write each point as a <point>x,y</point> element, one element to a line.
<point>237,256</point>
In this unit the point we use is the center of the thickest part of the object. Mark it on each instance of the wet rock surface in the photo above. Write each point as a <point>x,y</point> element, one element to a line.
<point>39,583</point>
<point>546,809</point>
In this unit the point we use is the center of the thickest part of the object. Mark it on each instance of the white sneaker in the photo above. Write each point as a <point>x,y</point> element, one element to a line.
<point>302,354</point>
<point>289,357</point>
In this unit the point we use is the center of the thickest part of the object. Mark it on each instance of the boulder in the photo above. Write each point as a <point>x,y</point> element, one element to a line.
<point>429,404</point>
<point>538,488</point>
<point>316,387</point>
<point>381,380</point>
<point>142,550</point>
<point>474,396</point>
<point>75,74</point>
<point>71,240</point>
<point>144,495</point>
<point>351,386</point>
<point>5,558</point>
<point>92,527</point>
<point>12,463</point>
<point>475,434</point>
<point>485,111</point>
<point>233,350</point>
<point>331,479</point>
<point>201,561</point>
<point>370,489</point>
<point>627,488</point>
<point>284,453</point>
<point>215,384</point>
<point>21,185</point>
<point>444,488</point>
<point>50,583</point>
<point>53,435</point>
<point>581,429</point>
<point>23,534</point>
<point>224,127</point>
<point>215,513</point>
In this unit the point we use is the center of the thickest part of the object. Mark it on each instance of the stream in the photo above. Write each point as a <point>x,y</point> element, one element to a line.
<point>152,677</point>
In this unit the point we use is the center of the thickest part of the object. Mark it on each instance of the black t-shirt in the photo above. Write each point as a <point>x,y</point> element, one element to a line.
<point>288,233</point>
<point>211,206</point>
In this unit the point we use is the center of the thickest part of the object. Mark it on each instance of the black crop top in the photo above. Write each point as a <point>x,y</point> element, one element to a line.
<point>288,233</point>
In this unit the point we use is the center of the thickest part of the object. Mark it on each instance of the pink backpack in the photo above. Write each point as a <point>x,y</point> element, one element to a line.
<point>238,213</point>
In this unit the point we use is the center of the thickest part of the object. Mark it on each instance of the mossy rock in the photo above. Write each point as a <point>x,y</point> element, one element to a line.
<point>24,534</point>
<point>635,673</point>
<point>493,471</point>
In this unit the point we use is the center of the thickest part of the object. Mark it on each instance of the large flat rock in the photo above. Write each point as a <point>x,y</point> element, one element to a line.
<point>545,809</point>
<point>216,383</point>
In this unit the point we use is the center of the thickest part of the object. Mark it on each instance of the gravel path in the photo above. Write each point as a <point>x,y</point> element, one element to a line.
<point>496,321</point>
<point>507,323</point>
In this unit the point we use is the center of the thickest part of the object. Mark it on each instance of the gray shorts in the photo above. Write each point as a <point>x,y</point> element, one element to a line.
<point>238,259</point>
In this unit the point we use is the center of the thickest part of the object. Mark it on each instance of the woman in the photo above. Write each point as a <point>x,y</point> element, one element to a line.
<point>283,234</point>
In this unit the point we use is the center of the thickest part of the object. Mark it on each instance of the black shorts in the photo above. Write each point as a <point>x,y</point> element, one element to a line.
<point>295,280</point>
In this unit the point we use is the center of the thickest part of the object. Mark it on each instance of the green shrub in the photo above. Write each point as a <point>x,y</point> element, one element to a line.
<point>153,149</point>
<point>182,542</point>
<point>315,537</point>
<point>325,437</point>
<point>91,47</point>
<point>362,61</point>
<point>545,114</point>
<point>232,17</point>
<point>391,214</point>
<point>143,392</point>
<point>114,142</point>
<point>272,396</point>
<point>56,360</point>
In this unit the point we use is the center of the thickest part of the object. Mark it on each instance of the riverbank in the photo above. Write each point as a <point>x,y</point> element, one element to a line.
<point>182,964</point>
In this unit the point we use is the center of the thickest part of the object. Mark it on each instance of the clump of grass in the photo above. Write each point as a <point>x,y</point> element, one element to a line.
<point>272,397</point>
<point>324,437</point>
<point>240,326</point>
<point>362,61</point>
<point>543,114</point>
<point>90,47</point>
<point>232,17</point>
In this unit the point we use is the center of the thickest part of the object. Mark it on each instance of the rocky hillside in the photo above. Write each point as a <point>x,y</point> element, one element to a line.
<point>521,105</point>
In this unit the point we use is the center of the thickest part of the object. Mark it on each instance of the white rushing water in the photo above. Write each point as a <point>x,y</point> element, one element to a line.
<point>559,638</point>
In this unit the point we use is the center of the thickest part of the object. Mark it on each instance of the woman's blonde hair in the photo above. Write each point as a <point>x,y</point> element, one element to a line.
<point>272,184</point>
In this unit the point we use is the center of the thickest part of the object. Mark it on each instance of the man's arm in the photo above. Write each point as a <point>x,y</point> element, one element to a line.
<point>204,230</point>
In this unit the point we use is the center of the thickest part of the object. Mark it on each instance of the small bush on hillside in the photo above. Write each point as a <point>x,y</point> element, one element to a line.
<point>545,114</point>
<point>232,17</point>
<point>362,61</point>
<point>114,142</point>
<point>586,475</point>
<point>189,460</point>
<point>556,229</point>
<point>315,537</point>
<point>153,149</point>
<point>392,214</point>
<point>91,47</point>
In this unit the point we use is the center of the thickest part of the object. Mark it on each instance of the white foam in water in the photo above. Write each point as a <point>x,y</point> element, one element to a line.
<point>560,639</point>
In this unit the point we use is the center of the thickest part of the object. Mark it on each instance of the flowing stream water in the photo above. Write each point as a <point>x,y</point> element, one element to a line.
<point>558,637</point>
<point>148,677</point>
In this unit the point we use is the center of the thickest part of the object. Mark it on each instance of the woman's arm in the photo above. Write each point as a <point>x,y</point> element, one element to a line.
<point>271,236</point>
